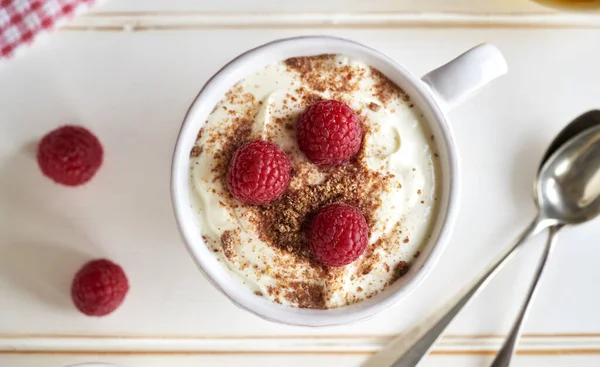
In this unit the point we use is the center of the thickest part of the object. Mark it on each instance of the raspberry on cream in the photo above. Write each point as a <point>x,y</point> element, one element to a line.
<point>338,234</point>
<point>259,172</point>
<point>391,180</point>
<point>329,133</point>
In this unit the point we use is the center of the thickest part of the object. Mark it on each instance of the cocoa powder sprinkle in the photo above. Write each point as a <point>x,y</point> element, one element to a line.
<point>229,240</point>
<point>283,222</point>
<point>321,75</point>
<point>400,270</point>
<point>374,107</point>
<point>385,89</point>
<point>196,151</point>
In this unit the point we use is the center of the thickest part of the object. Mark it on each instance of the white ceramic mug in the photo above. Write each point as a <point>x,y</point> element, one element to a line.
<point>436,93</point>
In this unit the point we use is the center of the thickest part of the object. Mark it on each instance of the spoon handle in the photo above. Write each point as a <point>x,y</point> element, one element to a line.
<point>508,349</point>
<point>426,334</point>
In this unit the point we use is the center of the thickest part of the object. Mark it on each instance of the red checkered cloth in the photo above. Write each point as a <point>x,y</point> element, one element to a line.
<point>24,21</point>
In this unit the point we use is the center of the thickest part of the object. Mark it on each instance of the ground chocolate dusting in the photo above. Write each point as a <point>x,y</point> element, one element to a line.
<point>385,89</point>
<point>366,269</point>
<point>196,151</point>
<point>240,133</point>
<point>321,75</point>
<point>370,258</point>
<point>374,107</point>
<point>306,64</point>
<point>308,97</point>
<point>399,271</point>
<point>283,222</point>
<point>306,295</point>
<point>201,131</point>
<point>229,240</point>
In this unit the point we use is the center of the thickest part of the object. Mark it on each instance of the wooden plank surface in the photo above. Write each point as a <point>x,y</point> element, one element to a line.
<point>337,6</point>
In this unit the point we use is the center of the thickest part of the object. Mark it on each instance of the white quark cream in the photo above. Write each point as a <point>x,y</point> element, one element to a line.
<point>396,146</point>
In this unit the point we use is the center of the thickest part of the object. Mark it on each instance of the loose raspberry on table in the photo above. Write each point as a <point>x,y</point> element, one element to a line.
<point>99,287</point>
<point>259,172</point>
<point>70,155</point>
<point>338,234</point>
<point>329,133</point>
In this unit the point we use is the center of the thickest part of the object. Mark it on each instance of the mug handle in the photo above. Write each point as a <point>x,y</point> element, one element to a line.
<point>454,82</point>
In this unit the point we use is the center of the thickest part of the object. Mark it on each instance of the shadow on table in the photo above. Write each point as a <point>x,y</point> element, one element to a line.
<point>35,237</point>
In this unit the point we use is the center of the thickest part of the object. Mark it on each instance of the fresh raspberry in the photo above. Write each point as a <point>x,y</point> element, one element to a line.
<point>99,287</point>
<point>338,234</point>
<point>329,133</point>
<point>70,155</point>
<point>259,173</point>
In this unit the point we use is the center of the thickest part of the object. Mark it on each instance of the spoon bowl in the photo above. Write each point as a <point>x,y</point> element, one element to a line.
<point>581,123</point>
<point>568,184</point>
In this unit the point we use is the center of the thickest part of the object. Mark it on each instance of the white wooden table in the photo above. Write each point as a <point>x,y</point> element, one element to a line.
<point>129,70</point>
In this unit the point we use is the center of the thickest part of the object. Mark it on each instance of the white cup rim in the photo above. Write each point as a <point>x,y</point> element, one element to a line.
<point>213,91</point>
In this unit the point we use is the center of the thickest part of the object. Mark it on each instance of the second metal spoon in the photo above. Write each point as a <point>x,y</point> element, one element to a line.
<point>567,191</point>
<point>417,343</point>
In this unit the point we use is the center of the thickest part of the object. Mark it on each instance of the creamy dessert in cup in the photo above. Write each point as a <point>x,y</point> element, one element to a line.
<point>391,177</point>
<point>396,190</point>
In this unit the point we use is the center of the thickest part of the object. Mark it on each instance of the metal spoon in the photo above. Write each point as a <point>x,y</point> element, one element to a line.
<point>581,123</point>
<point>567,192</point>
<point>413,346</point>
